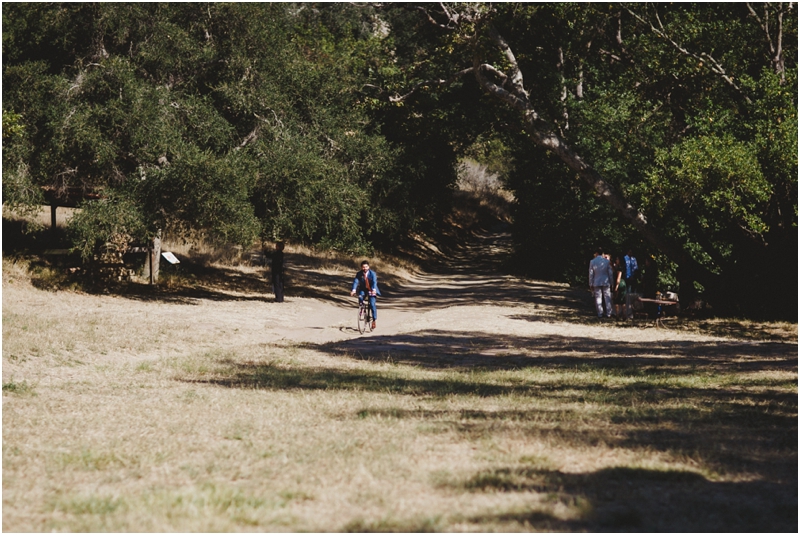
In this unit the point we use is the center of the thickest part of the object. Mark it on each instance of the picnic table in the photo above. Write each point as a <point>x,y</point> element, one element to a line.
<point>662,303</point>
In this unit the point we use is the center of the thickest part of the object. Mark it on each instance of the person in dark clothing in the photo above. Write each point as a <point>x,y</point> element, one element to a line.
<point>277,272</point>
<point>620,288</point>
<point>650,284</point>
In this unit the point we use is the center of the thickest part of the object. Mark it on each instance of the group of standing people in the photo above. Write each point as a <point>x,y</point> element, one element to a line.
<point>613,281</point>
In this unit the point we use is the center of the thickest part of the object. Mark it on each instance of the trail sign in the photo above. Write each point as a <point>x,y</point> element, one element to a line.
<point>171,258</point>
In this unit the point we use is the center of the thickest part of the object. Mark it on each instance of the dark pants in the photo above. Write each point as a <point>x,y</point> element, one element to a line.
<point>277,286</point>
<point>373,304</point>
<point>633,286</point>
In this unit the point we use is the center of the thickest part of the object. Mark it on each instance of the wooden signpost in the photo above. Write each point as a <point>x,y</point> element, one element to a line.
<point>153,260</point>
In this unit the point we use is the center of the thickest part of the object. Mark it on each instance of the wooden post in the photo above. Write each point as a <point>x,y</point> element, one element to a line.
<point>53,208</point>
<point>153,259</point>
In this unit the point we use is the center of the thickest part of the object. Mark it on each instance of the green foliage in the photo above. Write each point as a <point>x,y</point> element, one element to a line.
<point>115,220</point>
<point>299,122</point>
<point>19,191</point>
<point>566,222</point>
<point>690,121</point>
<point>18,387</point>
<point>235,120</point>
<point>711,178</point>
<point>491,151</point>
<point>773,129</point>
<point>12,125</point>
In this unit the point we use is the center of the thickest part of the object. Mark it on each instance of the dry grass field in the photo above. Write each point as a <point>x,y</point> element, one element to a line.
<point>481,403</point>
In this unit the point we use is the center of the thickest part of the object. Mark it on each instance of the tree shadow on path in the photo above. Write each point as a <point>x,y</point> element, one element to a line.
<point>453,349</point>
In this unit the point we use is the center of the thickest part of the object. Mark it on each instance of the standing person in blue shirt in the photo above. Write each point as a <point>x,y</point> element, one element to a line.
<point>366,283</point>
<point>631,269</point>
<point>631,278</point>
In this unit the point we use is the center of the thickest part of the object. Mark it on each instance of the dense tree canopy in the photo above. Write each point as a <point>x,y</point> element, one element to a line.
<point>237,120</point>
<point>669,128</point>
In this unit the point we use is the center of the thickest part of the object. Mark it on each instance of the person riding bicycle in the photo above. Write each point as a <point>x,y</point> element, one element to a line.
<point>366,283</point>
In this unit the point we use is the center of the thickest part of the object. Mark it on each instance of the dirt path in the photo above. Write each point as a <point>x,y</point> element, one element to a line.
<point>467,293</point>
<point>460,312</point>
<point>466,312</point>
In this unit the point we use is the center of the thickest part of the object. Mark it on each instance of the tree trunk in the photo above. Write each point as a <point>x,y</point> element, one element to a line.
<point>153,260</point>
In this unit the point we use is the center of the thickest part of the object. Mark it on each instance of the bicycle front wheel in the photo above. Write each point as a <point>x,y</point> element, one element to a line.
<point>363,318</point>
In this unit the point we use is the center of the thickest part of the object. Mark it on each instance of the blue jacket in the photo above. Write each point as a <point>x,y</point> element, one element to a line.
<point>600,272</point>
<point>360,285</point>
<point>631,267</point>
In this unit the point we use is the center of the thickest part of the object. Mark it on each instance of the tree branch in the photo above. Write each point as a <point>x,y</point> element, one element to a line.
<point>579,85</point>
<point>522,104</point>
<point>249,138</point>
<point>435,82</point>
<point>564,90</point>
<point>609,54</point>
<point>624,56</point>
<point>775,48</point>
<point>618,38</point>
<point>516,74</point>
<point>451,23</point>
<point>703,57</point>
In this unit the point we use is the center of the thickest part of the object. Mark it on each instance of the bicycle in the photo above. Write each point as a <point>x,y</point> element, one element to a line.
<point>364,316</point>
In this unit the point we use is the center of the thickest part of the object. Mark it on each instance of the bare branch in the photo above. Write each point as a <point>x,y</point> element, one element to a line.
<point>278,122</point>
<point>779,47</point>
<point>564,90</point>
<point>446,12</point>
<point>516,80</point>
<point>424,83</point>
<point>252,136</point>
<point>618,36</point>
<point>451,23</point>
<point>776,46</point>
<point>579,86</point>
<point>620,43</point>
<point>496,73</point>
<point>703,57</point>
<point>609,54</point>
<point>754,14</point>
<point>623,56</point>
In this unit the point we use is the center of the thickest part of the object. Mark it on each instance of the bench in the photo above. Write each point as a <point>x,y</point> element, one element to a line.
<point>662,303</point>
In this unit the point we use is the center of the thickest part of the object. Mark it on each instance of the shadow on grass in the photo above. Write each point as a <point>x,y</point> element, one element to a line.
<point>189,283</point>
<point>628,404</point>
<point>471,350</point>
<point>268,376</point>
<point>736,428</point>
<point>746,330</point>
<point>457,280</point>
<point>634,499</point>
